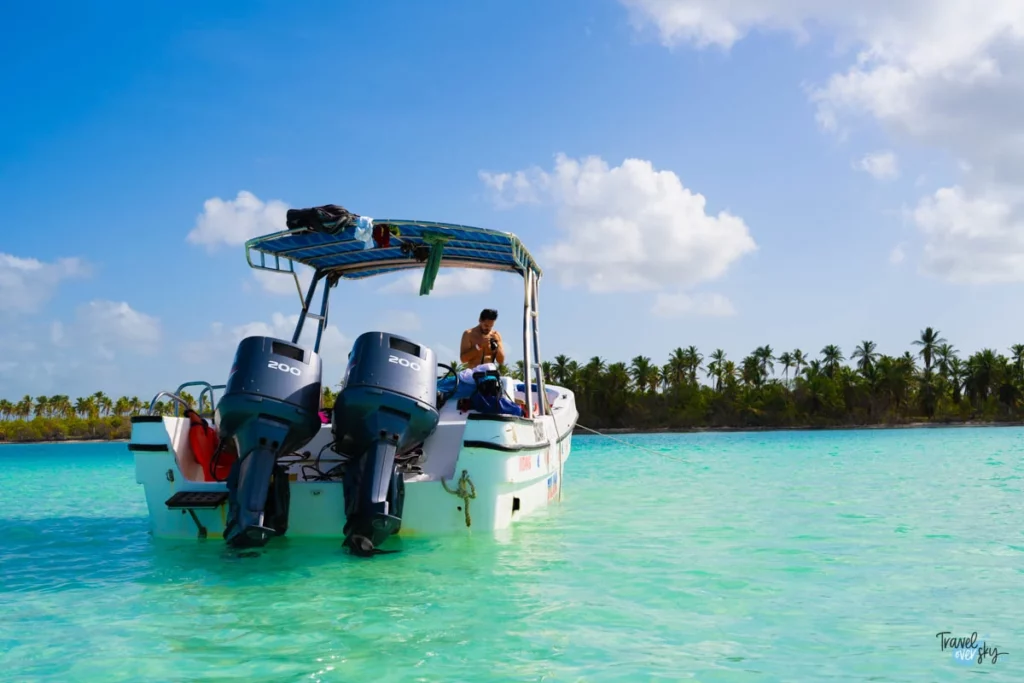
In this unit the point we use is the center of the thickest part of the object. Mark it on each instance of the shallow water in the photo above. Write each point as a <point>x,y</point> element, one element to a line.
<point>794,556</point>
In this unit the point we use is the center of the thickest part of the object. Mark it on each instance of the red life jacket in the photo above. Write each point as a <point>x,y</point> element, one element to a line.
<point>204,441</point>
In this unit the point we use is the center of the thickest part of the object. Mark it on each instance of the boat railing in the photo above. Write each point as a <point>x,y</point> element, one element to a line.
<point>177,399</point>
<point>207,388</point>
<point>174,397</point>
<point>288,267</point>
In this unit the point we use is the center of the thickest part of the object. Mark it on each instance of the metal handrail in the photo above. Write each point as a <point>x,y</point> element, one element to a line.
<point>208,388</point>
<point>213,400</point>
<point>175,396</point>
<point>177,399</point>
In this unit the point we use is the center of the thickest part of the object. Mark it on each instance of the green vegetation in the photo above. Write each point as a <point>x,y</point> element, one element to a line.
<point>766,389</point>
<point>57,418</point>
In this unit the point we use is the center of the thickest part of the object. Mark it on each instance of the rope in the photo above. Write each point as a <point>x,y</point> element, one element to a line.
<point>633,445</point>
<point>463,493</point>
<point>558,443</point>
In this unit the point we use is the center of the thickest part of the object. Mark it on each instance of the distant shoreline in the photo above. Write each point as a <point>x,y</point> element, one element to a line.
<point>802,428</point>
<point>43,443</point>
<point>672,430</point>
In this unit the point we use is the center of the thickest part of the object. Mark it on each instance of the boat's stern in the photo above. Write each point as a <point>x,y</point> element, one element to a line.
<point>181,503</point>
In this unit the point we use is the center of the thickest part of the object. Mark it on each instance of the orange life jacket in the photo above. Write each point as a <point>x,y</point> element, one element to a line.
<point>204,441</point>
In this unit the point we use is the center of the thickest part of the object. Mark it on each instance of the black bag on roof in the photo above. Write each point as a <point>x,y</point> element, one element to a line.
<point>329,218</point>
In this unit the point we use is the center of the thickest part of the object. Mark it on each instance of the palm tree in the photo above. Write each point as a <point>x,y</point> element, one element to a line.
<point>944,356</point>
<point>867,356</point>
<point>643,373</point>
<point>831,357</point>
<point>716,368</point>
<point>763,354</point>
<point>560,370</point>
<point>752,370</point>
<point>787,361</point>
<point>799,361</point>
<point>677,368</point>
<point>692,361</point>
<point>929,343</point>
<point>1017,351</point>
<point>573,376</point>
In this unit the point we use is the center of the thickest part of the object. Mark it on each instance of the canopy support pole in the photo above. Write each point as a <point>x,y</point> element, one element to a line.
<point>527,341</point>
<point>304,313</point>
<point>542,397</point>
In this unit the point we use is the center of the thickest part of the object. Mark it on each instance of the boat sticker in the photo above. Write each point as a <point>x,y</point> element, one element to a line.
<point>552,485</point>
<point>538,460</point>
<point>525,461</point>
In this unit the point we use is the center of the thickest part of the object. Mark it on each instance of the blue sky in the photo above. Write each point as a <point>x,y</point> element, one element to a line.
<point>122,122</point>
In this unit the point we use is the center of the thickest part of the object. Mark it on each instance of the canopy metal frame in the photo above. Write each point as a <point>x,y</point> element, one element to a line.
<point>333,258</point>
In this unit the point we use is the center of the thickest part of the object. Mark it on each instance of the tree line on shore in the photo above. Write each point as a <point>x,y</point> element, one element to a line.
<point>766,389</point>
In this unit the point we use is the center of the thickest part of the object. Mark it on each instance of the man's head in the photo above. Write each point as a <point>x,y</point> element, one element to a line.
<point>487,318</point>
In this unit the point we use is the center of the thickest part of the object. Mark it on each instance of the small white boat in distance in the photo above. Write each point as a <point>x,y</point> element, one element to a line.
<point>403,451</point>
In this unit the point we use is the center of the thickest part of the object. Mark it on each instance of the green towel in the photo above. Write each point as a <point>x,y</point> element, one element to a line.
<point>433,263</point>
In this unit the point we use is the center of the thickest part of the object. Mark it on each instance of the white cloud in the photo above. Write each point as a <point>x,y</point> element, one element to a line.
<point>630,227</point>
<point>704,23</point>
<point>944,73</point>
<point>399,322</point>
<point>283,284</point>
<point>107,346</point>
<point>217,349</point>
<point>26,365</point>
<point>880,165</point>
<point>234,221</point>
<point>675,305</point>
<point>511,189</point>
<point>455,283</point>
<point>109,326</point>
<point>281,326</point>
<point>977,239</point>
<point>27,283</point>
<point>897,255</point>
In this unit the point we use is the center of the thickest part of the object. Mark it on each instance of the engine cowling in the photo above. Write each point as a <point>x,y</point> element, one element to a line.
<point>269,408</point>
<point>388,405</point>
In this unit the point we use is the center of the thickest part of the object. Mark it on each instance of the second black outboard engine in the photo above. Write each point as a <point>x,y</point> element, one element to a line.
<point>387,406</point>
<point>270,407</point>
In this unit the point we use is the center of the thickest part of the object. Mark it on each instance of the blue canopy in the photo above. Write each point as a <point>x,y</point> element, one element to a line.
<point>351,254</point>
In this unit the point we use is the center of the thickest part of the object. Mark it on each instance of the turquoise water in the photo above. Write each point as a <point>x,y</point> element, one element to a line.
<point>826,556</point>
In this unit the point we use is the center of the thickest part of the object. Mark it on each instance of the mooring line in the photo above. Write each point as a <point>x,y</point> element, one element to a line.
<point>633,445</point>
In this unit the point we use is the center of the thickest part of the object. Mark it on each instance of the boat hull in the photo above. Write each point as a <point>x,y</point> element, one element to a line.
<point>514,466</point>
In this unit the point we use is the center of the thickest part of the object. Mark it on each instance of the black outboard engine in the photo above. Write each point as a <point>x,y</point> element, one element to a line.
<point>387,406</point>
<point>270,407</point>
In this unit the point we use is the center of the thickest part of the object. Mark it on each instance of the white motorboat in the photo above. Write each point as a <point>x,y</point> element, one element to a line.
<point>403,451</point>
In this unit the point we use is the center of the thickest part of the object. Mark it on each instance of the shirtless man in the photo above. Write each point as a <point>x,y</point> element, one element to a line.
<point>482,344</point>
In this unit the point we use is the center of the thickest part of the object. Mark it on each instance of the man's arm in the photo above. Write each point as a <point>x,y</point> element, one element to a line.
<point>467,353</point>
<point>499,355</point>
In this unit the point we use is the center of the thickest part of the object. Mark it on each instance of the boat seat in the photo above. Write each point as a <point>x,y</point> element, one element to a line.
<point>183,456</point>
<point>520,394</point>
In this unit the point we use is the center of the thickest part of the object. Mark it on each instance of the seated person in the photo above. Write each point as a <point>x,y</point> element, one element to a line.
<point>482,344</point>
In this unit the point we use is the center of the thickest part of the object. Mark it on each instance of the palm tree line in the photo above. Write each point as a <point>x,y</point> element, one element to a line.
<point>930,382</point>
<point>58,417</point>
<point>766,388</point>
